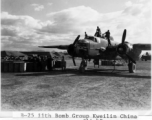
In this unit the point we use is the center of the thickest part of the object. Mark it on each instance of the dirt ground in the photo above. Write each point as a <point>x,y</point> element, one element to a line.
<point>96,89</point>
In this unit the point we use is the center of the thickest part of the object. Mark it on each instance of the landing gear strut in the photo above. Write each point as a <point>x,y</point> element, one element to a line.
<point>132,67</point>
<point>83,66</point>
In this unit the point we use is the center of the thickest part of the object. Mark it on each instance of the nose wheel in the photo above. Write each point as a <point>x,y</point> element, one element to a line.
<point>83,66</point>
<point>132,67</point>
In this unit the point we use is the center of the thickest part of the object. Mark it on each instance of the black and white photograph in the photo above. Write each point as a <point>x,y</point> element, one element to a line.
<point>75,55</point>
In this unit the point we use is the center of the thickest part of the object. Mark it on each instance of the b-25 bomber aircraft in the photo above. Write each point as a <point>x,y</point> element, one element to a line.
<point>92,47</point>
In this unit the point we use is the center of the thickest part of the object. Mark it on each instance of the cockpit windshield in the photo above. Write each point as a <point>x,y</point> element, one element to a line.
<point>92,38</point>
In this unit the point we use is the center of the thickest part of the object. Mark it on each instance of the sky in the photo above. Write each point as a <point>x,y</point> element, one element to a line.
<point>27,24</point>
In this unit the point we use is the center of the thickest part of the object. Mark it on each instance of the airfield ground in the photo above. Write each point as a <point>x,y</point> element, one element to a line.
<point>96,89</point>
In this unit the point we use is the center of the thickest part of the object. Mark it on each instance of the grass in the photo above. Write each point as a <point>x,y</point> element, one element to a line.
<point>96,89</point>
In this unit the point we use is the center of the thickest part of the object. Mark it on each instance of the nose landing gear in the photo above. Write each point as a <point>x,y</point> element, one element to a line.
<point>83,66</point>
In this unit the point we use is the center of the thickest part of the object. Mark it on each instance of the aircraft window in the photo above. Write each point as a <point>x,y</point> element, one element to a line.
<point>95,40</point>
<point>92,38</point>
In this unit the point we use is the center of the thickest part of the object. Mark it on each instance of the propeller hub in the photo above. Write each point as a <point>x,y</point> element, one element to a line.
<point>123,49</point>
<point>71,50</point>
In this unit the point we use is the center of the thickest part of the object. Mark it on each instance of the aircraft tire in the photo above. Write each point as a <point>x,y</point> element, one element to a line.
<point>132,67</point>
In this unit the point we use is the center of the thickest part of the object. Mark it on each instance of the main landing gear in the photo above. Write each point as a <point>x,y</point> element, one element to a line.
<point>132,67</point>
<point>83,66</point>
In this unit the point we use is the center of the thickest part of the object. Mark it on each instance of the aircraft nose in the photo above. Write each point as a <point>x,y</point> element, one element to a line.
<point>83,45</point>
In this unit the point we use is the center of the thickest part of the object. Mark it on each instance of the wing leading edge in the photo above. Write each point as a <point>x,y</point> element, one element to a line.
<point>63,47</point>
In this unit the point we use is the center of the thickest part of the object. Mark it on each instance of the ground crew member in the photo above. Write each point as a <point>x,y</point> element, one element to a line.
<point>49,63</point>
<point>86,35</point>
<point>96,62</point>
<point>63,63</point>
<point>82,65</point>
<point>147,54</point>
<point>107,35</point>
<point>98,32</point>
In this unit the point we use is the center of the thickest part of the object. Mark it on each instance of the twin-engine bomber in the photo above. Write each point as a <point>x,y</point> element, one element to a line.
<point>93,47</point>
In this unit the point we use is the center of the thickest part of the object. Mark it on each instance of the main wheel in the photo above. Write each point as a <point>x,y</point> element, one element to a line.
<point>132,67</point>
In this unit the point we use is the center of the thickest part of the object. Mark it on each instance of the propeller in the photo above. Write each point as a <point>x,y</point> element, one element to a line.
<point>131,59</point>
<point>123,48</point>
<point>77,38</point>
<point>71,50</point>
<point>124,36</point>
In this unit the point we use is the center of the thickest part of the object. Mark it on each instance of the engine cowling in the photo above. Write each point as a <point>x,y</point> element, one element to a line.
<point>123,49</point>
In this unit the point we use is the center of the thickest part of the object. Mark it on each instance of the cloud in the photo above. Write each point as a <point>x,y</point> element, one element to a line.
<point>70,20</point>
<point>20,32</point>
<point>50,4</point>
<point>14,20</point>
<point>37,7</point>
<point>62,27</point>
<point>8,19</point>
<point>34,4</point>
<point>135,18</point>
<point>81,13</point>
<point>129,3</point>
<point>8,31</point>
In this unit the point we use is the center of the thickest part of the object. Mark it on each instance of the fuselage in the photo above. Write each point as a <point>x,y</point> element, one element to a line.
<point>91,46</point>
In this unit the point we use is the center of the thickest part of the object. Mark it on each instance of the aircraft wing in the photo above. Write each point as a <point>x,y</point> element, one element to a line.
<point>142,46</point>
<point>63,47</point>
<point>136,51</point>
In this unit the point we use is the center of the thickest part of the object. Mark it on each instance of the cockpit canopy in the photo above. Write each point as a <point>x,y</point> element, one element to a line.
<point>97,39</point>
<point>93,38</point>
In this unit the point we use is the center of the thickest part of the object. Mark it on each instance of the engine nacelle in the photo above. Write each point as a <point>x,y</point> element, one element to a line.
<point>123,49</point>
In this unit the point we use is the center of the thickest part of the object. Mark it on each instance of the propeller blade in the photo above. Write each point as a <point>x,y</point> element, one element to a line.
<point>76,40</point>
<point>124,36</point>
<point>130,59</point>
<point>73,61</point>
